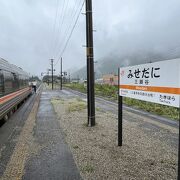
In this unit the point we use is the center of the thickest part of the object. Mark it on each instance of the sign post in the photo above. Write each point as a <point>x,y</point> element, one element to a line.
<point>179,148</point>
<point>120,99</point>
<point>157,82</point>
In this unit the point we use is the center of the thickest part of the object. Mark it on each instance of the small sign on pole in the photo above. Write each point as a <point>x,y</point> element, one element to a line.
<point>157,82</point>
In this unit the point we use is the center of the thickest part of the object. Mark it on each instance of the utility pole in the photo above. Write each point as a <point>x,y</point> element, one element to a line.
<point>61,74</point>
<point>52,73</point>
<point>48,76</point>
<point>69,77</point>
<point>90,64</point>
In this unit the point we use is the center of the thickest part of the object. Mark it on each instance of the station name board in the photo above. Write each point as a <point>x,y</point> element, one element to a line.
<point>157,82</point>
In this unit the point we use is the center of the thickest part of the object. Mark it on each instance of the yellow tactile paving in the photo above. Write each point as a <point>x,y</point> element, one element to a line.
<point>15,167</point>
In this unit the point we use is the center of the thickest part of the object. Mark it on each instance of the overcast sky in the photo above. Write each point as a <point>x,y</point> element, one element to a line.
<point>33,31</point>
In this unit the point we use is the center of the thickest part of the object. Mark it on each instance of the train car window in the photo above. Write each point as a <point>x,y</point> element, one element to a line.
<point>8,82</point>
<point>1,83</point>
<point>21,81</point>
<point>12,78</point>
<point>15,81</point>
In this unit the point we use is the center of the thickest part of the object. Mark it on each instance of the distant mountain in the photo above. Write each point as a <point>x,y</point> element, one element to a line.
<point>110,63</point>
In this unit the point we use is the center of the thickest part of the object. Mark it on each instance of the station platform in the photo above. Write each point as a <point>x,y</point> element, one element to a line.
<point>32,144</point>
<point>48,138</point>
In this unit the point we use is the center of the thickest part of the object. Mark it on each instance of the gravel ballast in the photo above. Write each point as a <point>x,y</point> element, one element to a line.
<point>95,150</point>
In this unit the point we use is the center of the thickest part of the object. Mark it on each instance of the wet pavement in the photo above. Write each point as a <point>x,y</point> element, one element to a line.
<point>54,161</point>
<point>35,149</point>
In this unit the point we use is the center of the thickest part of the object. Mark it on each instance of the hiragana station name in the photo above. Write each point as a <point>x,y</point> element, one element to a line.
<point>142,76</point>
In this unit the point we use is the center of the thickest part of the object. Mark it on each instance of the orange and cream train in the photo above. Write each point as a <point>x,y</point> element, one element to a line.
<point>14,87</point>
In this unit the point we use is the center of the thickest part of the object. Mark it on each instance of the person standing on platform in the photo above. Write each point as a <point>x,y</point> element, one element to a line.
<point>34,86</point>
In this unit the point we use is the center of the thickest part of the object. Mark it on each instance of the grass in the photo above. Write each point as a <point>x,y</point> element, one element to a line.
<point>49,87</point>
<point>98,109</point>
<point>57,101</point>
<point>76,147</point>
<point>77,106</point>
<point>88,169</point>
<point>111,93</point>
<point>75,86</point>
<point>162,110</point>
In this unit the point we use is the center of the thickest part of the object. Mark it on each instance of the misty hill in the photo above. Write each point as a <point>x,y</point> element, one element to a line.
<point>111,62</point>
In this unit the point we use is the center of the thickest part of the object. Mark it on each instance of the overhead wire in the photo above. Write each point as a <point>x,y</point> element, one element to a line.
<point>53,29</point>
<point>54,26</point>
<point>61,23</point>
<point>72,30</point>
<point>60,19</point>
<point>68,27</point>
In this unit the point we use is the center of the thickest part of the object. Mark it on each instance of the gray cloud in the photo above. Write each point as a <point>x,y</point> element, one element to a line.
<point>124,27</point>
<point>142,25</point>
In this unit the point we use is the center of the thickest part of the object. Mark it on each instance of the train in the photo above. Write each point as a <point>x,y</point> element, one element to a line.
<point>14,88</point>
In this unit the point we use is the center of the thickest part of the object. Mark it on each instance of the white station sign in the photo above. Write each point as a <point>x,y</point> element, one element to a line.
<point>157,82</point>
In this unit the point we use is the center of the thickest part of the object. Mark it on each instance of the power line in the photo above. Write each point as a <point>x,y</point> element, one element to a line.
<point>71,32</point>
<point>68,26</point>
<point>56,62</point>
<point>61,25</point>
<point>75,7</point>
<point>54,27</point>
<point>63,50</point>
